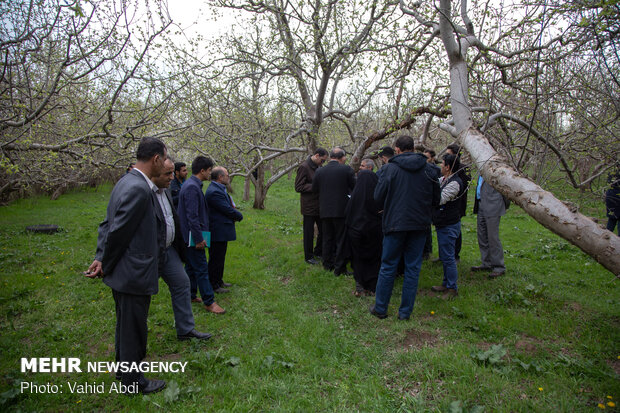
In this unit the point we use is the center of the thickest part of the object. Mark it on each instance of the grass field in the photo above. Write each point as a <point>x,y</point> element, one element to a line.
<point>545,337</point>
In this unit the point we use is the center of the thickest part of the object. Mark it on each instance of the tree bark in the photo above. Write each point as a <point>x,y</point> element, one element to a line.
<point>542,205</point>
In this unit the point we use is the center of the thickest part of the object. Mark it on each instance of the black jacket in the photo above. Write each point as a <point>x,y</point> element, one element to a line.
<point>408,190</point>
<point>362,210</point>
<point>333,183</point>
<point>450,212</point>
<point>303,184</point>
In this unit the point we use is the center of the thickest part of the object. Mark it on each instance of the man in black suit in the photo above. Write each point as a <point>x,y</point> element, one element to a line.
<point>334,183</point>
<point>129,258</point>
<point>309,202</point>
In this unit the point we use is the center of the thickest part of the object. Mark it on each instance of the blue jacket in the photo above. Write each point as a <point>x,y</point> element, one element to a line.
<point>222,215</point>
<point>193,210</point>
<point>408,190</point>
<point>175,189</point>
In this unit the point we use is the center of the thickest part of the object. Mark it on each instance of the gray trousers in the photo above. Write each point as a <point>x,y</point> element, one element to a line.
<point>491,249</point>
<point>175,276</point>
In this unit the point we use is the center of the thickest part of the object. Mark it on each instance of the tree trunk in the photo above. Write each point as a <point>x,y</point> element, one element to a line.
<point>246,187</point>
<point>260,192</point>
<point>543,206</point>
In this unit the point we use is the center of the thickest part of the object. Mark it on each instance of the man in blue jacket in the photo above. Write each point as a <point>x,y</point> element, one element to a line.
<point>194,218</point>
<point>222,217</point>
<point>180,174</point>
<point>408,190</point>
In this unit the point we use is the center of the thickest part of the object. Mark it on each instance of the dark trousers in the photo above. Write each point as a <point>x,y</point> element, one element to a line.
<point>333,244</point>
<point>366,257</point>
<point>197,270</point>
<point>217,258</point>
<point>611,223</point>
<point>428,245</point>
<point>457,245</point>
<point>308,226</point>
<point>131,331</point>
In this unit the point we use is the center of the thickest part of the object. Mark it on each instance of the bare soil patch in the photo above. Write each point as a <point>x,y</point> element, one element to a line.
<point>528,345</point>
<point>415,339</point>
<point>615,365</point>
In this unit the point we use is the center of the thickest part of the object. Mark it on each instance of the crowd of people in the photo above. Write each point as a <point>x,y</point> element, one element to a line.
<point>381,222</point>
<point>156,220</point>
<point>160,224</point>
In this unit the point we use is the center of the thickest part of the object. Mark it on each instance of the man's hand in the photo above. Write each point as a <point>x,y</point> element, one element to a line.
<point>95,270</point>
<point>201,245</point>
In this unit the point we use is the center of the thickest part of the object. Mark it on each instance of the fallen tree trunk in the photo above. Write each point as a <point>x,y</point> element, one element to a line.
<point>557,216</point>
<point>542,205</point>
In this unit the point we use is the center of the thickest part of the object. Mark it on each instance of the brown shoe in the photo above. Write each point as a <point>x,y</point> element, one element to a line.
<point>214,308</point>
<point>197,300</point>
<point>450,294</point>
<point>439,288</point>
<point>495,274</point>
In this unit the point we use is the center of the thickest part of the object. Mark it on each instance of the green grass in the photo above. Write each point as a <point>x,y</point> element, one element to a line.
<point>295,339</point>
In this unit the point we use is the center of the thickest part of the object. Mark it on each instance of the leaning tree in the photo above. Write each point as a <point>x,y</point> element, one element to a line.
<point>458,36</point>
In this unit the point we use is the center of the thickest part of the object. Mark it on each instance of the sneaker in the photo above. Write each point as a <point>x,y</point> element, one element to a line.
<point>313,261</point>
<point>376,314</point>
<point>477,268</point>
<point>438,288</point>
<point>495,274</point>
<point>450,294</point>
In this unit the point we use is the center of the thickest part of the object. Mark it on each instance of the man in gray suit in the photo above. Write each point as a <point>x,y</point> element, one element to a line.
<point>490,206</point>
<point>128,260</point>
<point>171,262</point>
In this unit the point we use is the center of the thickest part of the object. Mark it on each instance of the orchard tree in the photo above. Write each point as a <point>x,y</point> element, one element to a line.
<point>458,35</point>
<point>77,90</point>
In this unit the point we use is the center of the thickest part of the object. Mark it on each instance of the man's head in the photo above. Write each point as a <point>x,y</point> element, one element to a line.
<point>367,164</point>
<point>180,171</point>
<point>220,174</point>
<point>201,167</point>
<point>319,156</point>
<point>450,164</point>
<point>338,154</point>
<point>163,180</point>
<point>385,154</point>
<point>453,149</point>
<point>430,154</point>
<point>150,156</point>
<point>403,144</point>
<point>420,148</point>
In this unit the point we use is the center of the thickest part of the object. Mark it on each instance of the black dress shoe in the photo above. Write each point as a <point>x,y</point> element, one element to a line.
<point>376,314</point>
<point>221,290</point>
<point>312,261</point>
<point>227,285</point>
<point>401,318</point>
<point>342,272</point>
<point>194,334</point>
<point>152,386</point>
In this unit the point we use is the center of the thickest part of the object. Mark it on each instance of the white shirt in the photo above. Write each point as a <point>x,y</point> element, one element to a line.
<point>167,211</point>
<point>165,208</point>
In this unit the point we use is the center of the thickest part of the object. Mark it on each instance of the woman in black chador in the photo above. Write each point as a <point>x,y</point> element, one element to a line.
<point>364,231</point>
